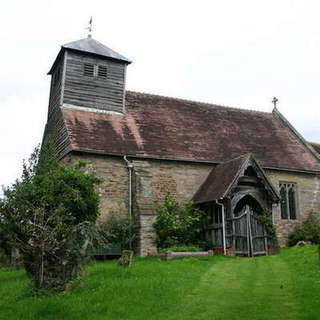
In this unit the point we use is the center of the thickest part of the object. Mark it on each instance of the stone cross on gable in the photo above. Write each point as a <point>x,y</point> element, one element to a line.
<point>274,101</point>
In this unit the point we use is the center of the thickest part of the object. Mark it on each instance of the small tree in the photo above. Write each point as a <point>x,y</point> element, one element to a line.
<point>178,223</point>
<point>49,216</point>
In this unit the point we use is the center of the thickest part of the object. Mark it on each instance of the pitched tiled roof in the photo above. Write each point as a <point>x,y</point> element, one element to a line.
<point>315,146</point>
<point>223,177</point>
<point>169,128</point>
<point>219,180</point>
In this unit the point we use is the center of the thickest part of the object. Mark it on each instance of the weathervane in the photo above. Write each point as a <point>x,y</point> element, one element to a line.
<point>89,28</point>
<point>274,101</point>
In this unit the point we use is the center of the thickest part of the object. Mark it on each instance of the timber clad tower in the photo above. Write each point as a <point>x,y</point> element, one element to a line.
<point>235,164</point>
<point>88,74</point>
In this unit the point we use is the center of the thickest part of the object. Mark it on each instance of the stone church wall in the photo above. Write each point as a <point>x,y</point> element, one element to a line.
<point>114,187</point>
<point>308,199</point>
<point>153,178</point>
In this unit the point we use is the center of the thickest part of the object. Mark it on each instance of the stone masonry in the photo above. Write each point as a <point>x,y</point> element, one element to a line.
<point>153,178</point>
<point>308,199</point>
<point>114,188</point>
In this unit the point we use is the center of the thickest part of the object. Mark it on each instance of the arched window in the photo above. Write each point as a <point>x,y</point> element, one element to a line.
<point>288,200</point>
<point>284,202</point>
<point>292,203</point>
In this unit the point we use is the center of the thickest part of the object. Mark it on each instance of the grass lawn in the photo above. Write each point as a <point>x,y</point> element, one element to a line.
<point>285,286</point>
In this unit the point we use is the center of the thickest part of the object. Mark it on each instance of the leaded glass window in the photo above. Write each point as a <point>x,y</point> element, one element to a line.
<point>288,193</point>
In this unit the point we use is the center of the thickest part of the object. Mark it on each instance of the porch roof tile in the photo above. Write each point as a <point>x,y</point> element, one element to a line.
<point>219,180</point>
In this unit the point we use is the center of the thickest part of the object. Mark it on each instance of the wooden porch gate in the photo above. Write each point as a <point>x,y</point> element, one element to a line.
<point>250,235</point>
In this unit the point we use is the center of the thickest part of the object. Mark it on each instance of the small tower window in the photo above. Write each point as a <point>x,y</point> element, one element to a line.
<point>102,72</point>
<point>288,200</point>
<point>88,69</point>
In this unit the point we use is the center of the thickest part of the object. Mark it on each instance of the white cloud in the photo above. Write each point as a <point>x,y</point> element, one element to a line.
<point>232,52</point>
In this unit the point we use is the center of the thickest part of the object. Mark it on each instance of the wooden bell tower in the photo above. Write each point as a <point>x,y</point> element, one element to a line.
<point>88,75</point>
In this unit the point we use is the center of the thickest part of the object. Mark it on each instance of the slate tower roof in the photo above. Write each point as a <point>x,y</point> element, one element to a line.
<point>93,46</point>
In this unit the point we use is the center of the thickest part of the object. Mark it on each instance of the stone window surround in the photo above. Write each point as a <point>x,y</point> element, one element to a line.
<point>296,198</point>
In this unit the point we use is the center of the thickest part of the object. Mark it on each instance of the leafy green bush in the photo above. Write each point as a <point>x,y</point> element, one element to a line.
<point>49,215</point>
<point>117,230</point>
<point>178,224</point>
<point>181,249</point>
<point>309,230</point>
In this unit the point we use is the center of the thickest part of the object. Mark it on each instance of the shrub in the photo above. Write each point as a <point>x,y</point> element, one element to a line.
<point>49,215</point>
<point>309,230</point>
<point>181,249</point>
<point>178,223</point>
<point>117,230</point>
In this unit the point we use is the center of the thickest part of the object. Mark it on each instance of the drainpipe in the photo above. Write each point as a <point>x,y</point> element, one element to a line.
<point>223,226</point>
<point>130,167</point>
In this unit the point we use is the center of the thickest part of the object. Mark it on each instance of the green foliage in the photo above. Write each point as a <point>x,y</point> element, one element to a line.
<point>309,230</point>
<point>49,215</point>
<point>5,249</point>
<point>178,223</point>
<point>266,219</point>
<point>181,249</point>
<point>117,230</point>
<point>4,259</point>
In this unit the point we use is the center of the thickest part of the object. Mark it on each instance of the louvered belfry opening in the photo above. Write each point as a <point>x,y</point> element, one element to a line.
<point>88,69</point>
<point>102,72</point>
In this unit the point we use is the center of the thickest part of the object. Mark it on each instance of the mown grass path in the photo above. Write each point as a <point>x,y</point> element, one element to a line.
<point>285,286</point>
<point>257,288</point>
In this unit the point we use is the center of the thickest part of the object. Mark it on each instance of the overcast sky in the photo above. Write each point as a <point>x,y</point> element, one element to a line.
<point>231,52</point>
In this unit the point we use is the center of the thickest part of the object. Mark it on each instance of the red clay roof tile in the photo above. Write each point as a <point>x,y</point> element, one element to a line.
<point>169,128</point>
<point>223,177</point>
<point>219,180</point>
<point>315,146</point>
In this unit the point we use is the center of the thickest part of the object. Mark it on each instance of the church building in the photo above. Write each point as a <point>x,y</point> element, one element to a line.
<point>234,163</point>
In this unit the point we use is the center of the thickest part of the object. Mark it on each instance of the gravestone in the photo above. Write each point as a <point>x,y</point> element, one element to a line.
<point>126,258</point>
